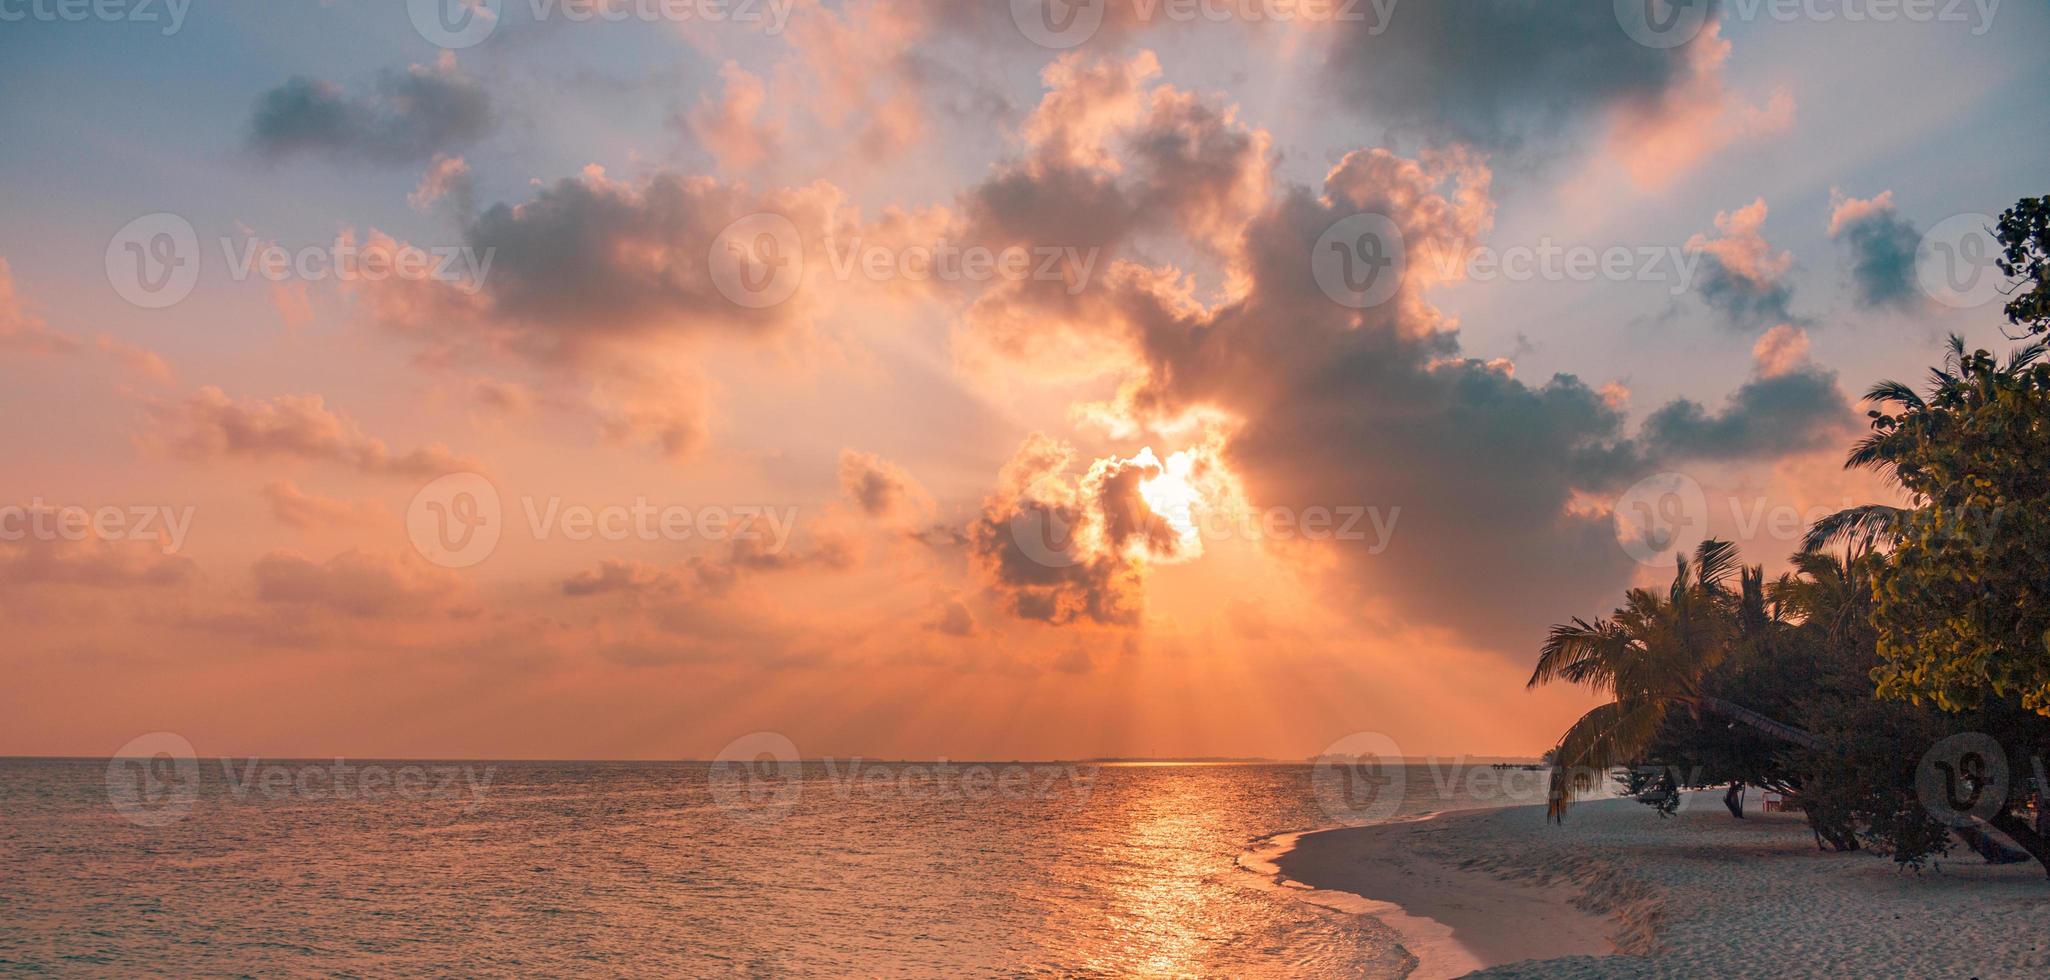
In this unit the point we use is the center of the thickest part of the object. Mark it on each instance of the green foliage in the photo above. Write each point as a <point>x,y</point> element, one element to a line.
<point>1862,780</point>
<point>1960,608</point>
<point>2025,256</point>
<point>1650,654</point>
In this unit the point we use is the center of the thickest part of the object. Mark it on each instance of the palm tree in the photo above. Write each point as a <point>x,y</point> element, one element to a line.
<point>1964,379</point>
<point>1651,654</point>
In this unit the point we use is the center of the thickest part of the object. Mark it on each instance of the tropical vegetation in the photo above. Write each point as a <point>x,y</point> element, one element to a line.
<point>1898,634</point>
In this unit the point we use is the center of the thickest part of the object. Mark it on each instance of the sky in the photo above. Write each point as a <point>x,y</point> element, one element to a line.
<point>929,379</point>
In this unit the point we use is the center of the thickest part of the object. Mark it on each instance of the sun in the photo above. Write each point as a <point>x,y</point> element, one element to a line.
<point>1172,493</point>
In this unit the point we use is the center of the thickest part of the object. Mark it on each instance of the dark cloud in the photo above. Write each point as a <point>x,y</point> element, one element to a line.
<point>1794,412</point>
<point>1043,547</point>
<point>1739,276</point>
<point>590,257</point>
<point>409,116</point>
<point>1495,73</point>
<point>1480,481</point>
<point>361,584</point>
<point>1882,246</point>
<point>881,488</point>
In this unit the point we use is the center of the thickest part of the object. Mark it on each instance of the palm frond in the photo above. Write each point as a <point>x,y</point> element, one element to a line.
<point>1580,652</point>
<point>1895,392</point>
<point>1867,524</point>
<point>1714,561</point>
<point>1609,736</point>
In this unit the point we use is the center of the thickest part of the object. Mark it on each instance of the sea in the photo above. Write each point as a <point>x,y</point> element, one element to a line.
<point>207,867</point>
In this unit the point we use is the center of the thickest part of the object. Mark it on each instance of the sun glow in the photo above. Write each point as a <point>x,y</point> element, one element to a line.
<point>1173,493</point>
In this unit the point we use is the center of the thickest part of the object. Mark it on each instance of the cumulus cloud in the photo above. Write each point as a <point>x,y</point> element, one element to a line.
<point>211,425</point>
<point>615,284</point>
<point>951,616</point>
<point>91,562</point>
<point>1882,248</point>
<point>363,585</point>
<point>447,179</point>
<point>296,508</point>
<point>882,489</point>
<point>22,331</point>
<point>1063,547</point>
<point>25,332</point>
<point>730,126</point>
<point>1660,137</point>
<point>760,546</point>
<point>409,116</point>
<point>1496,73</point>
<point>1104,589</point>
<point>1336,407</point>
<point>590,257</point>
<point>1740,276</point>
<point>1782,350</point>
<point>1781,414</point>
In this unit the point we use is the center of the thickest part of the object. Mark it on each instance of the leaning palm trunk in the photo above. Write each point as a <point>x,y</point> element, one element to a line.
<point>1739,713</point>
<point>1574,770</point>
<point>1981,843</point>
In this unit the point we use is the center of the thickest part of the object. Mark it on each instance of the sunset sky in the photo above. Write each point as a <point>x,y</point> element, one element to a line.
<point>1152,489</point>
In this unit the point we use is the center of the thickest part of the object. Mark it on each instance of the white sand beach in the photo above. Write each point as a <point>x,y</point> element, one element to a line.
<point>1619,892</point>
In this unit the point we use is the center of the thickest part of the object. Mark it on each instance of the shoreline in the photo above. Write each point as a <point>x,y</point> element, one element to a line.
<point>1620,891</point>
<point>1453,921</point>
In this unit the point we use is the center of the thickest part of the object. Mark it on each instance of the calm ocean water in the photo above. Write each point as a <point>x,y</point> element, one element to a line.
<point>889,869</point>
